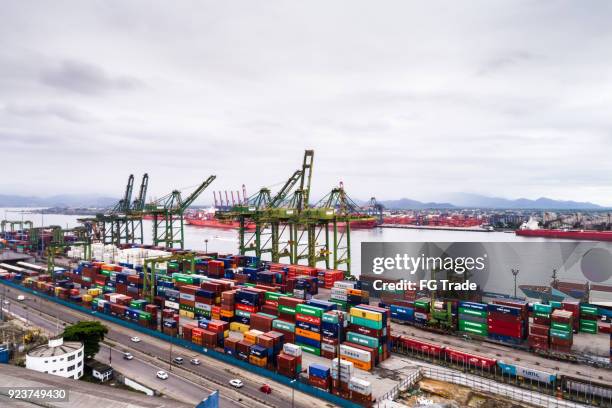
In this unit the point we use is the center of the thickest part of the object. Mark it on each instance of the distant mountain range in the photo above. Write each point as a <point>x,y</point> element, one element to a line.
<point>455,200</point>
<point>481,201</point>
<point>64,200</point>
<point>466,200</point>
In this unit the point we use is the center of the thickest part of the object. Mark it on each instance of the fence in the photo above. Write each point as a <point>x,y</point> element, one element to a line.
<point>406,383</point>
<point>297,385</point>
<point>493,387</point>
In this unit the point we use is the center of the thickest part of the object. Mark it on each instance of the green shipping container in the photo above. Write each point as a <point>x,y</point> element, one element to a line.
<point>273,295</point>
<point>555,304</point>
<point>282,325</point>
<point>342,305</point>
<point>473,312</point>
<point>286,309</point>
<point>330,318</point>
<point>202,312</point>
<point>362,340</point>
<point>480,329</point>
<point>309,349</point>
<point>242,313</point>
<point>145,316</point>
<point>423,304</point>
<point>541,314</point>
<point>560,326</point>
<point>588,310</point>
<point>588,323</point>
<point>309,310</point>
<point>562,334</point>
<point>371,324</point>
<point>589,330</point>
<point>540,308</point>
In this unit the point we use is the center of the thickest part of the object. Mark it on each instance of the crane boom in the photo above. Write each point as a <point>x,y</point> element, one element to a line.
<point>282,193</point>
<point>196,193</point>
<point>139,202</point>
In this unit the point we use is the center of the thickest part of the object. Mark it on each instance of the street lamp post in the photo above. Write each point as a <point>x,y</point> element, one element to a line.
<point>515,272</point>
<point>292,394</point>
<point>206,245</point>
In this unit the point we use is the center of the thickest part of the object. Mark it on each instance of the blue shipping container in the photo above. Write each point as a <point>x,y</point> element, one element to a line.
<point>317,370</point>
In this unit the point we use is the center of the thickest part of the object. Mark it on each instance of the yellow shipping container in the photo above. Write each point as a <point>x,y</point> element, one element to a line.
<point>94,292</point>
<point>308,334</point>
<point>227,313</point>
<point>239,327</point>
<point>186,313</point>
<point>258,361</point>
<point>365,314</point>
<point>215,316</point>
<point>87,298</point>
<point>226,334</point>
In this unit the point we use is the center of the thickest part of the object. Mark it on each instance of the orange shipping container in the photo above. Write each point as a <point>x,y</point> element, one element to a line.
<point>308,334</point>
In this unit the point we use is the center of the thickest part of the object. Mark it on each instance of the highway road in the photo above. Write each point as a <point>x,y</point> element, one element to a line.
<point>211,374</point>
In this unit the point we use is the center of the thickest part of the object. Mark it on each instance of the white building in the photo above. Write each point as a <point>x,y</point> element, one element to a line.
<point>64,359</point>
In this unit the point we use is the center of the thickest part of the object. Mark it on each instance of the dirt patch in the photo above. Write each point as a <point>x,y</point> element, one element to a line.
<point>446,395</point>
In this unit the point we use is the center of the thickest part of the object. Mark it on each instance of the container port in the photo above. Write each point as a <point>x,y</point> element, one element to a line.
<point>308,323</point>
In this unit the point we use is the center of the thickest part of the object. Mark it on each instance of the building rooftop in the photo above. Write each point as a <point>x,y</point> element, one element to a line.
<point>80,393</point>
<point>55,347</point>
<point>98,366</point>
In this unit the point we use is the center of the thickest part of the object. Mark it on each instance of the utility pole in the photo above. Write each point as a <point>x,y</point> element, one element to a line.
<point>515,272</point>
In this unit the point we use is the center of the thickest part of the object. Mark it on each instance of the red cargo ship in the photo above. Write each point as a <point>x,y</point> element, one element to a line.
<point>566,234</point>
<point>360,223</point>
<point>202,219</point>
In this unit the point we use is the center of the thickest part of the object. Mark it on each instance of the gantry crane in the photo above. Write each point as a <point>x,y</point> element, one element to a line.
<point>168,215</point>
<point>287,226</point>
<point>122,223</point>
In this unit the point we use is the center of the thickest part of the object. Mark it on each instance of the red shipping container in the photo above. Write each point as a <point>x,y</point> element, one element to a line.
<point>470,359</point>
<point>307,319</point>
<point>538,329</point>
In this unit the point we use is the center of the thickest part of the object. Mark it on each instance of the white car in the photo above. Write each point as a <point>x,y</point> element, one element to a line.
<point>162,375</point>
<point>236,383</point>
<point>21,298</point>
<point>135,339</point>
<point>195,361</point>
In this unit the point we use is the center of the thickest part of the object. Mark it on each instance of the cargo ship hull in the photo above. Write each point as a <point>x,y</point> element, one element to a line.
<point>563,234</point>
<point>363,223</point>
<point>214,223</point>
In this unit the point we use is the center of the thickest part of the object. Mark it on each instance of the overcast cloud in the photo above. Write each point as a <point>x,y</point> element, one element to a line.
<point>398,98</point>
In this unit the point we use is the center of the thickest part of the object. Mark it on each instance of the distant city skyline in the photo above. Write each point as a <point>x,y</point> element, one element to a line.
<point>398,99</point>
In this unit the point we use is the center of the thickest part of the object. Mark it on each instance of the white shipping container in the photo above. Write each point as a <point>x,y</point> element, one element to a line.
<point>339,297</point>
<point>171,305</point>
<point>345,365</point>
<point>203,306</point>
<point>292,349</point>
<point>328,347</point>
<point>345,377</point>
<point>344,284</point>
<point>339,291</point>
<point>420,315</point>
<point>360,386</point>
<point>187,296</point>
<point>355,353</point>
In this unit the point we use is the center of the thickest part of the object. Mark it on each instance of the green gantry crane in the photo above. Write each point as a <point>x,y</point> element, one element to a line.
<point>12,224</point>
<point>168,215</point>
<point>287,227</point>
<point>122,223</point>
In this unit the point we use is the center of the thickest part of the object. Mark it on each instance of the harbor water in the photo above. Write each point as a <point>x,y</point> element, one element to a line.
<point>536,266</point>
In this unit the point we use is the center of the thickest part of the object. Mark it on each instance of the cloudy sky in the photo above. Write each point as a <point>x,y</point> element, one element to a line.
<point>398,99</point>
